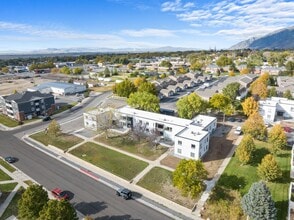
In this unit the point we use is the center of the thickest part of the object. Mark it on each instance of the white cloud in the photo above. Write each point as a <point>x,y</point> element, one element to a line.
<point>238,18</point>
<point>149,32</point>
<point>176,5</point>
<point>51,33</point>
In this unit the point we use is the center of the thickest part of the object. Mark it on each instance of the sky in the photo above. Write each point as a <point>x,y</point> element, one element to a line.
<point>27,25</point>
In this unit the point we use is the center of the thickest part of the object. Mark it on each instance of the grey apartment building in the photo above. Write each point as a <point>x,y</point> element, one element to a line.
<point>26,105</point>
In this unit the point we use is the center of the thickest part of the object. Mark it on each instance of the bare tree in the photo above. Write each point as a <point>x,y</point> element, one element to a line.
<point>106,121</point>
<point>138,131</point>
<point>153,138</point>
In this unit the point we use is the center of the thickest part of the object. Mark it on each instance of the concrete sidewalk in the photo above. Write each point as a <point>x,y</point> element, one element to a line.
<point>163,205</point>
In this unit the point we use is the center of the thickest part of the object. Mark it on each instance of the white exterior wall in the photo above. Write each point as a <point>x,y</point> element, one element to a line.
<point>287,108</point>
<point>183,147</point>
<point>90,121</point>
<point>268,113</point>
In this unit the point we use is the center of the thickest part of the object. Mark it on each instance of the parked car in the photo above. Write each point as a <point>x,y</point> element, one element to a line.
<point>231,119</point>
<point>59,194</point>
<point>10,159</point>
<point>238,130</point>
<point>124,192</point>
<point>288,129</point>
<point>46,118</point>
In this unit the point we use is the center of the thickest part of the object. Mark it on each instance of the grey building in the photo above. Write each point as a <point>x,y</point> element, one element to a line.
<point>27,105</point>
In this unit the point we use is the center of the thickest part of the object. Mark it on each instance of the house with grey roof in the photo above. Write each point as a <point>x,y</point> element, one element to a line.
<point>26,105</point>
<point>285,83</point>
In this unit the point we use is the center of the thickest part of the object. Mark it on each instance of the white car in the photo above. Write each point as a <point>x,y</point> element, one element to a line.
<point>238,130</point>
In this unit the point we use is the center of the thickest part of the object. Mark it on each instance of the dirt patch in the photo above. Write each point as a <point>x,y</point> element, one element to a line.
<point>9,86</point>
<point>218,150</point>
<point>175,195</point>
<point>170,161</point>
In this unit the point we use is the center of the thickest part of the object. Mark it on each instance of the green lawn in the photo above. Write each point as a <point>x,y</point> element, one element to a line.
<point>159,181</point>
<point>6,189</point>
<point>241,178</point>
<point>142,149</point>
<point>5,120</point>
<point>112,161</point>
<point>63,141</point>
<point>12,207</point>
<point>4,176</point>
<point>7,166</point>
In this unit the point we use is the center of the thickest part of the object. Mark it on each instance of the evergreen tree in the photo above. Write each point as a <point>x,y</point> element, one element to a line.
<point>32,202</point>
<point>258,203</point>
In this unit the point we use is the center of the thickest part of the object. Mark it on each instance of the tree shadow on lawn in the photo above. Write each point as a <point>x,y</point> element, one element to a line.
<point>285,177</point>
<point>258,155</point>
<point>282,208</point>
<point>232,182</point>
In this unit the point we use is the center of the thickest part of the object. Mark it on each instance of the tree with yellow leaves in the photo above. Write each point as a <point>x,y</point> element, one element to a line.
<point>277,137</point>
<point>254,126</point>
<point>249,106</point>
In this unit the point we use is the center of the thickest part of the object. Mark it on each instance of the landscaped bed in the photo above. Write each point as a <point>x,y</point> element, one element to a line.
<point>112,161</point>
<point>141,148</point>
<point>5,120</point>
<point>62,141</point>
<point>6,189</point>
<point>4,176</point>
<point>240,178</point>
<point>159,181</point>
<point>12,208</point>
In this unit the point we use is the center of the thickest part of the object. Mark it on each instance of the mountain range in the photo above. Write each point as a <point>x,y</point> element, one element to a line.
<point>280,39</point>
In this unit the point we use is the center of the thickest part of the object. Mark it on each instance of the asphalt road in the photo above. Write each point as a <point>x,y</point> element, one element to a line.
<point>88,196</point>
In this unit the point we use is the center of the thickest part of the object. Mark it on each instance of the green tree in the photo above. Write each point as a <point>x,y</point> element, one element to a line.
<point>249,106</point>
<point>255,126</point>
<point>258,203</point>
<point>288,94</point>
<point>106,72</point>
<point>65,70</point>
<point>268,169</point>
<point>54,128</point>
<point>189,176</point>
<point>222,103</point>
<point>196,65</point>
<point>58,210</point>
<point>182,70</point>
<point>190,105</point>
<point>272,92</point>
<point>32,202</point>
<point>147,87</point>
<point>290,67</point>
<point>124,89</point>
<point>224,61</point>
<point>78,71</point>
<point>232,90</point>
<point>277,137</point>
<point>245,150</point>
<point>144,101</point>
<point>165,63</point>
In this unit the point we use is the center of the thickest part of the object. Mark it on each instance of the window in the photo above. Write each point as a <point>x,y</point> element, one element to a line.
<point>193,146</point>
<point>292,109</point>
<point>147,123</point>
<point>180,143</point>
<point>179,151</point>
<point>33,109</point>
<point>168,129</point>
<point>192,154</point>
<point>32,103</point>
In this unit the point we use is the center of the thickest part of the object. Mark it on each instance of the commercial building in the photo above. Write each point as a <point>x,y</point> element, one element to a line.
<point>59,88</point>
<point>26,105</point>
<point>190,137</point>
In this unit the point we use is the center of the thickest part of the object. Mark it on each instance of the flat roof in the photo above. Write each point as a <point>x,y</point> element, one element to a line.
<point>155,116</point>
<point>203,120</point>
<point>193,133</point>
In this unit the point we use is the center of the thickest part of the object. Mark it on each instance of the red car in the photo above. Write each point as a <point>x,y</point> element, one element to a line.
<point>59,194</point>
<point>287,129</point>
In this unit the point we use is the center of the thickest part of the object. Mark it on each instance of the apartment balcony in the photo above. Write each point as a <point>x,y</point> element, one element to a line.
<point>9,110</point>
<point>8,105</point>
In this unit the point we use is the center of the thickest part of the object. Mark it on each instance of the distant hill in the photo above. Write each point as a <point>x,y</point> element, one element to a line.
<point>281,39</point>
<point>88,50</point>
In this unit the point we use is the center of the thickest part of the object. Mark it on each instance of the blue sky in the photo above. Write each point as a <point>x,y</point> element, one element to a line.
<point>27,25</point>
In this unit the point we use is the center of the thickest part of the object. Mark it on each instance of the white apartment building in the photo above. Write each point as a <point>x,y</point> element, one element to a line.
<point>190,138</point>
<point>276,108</point>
